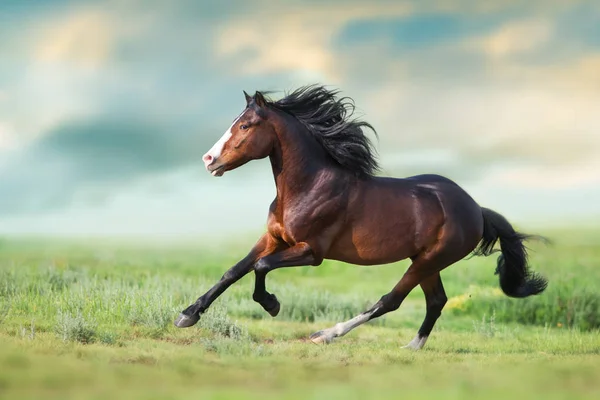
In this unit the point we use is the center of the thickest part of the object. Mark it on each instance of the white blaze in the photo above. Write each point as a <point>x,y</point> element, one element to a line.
<point>217,148</point>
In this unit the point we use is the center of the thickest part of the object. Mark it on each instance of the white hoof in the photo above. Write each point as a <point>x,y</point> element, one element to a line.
<point>417,343</point>
<point>322,337</point>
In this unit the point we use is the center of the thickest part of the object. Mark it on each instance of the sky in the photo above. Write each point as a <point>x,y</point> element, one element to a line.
<point>106,108</point>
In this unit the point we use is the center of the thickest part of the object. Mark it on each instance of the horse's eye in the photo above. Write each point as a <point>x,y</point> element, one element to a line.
<point>244,127</point>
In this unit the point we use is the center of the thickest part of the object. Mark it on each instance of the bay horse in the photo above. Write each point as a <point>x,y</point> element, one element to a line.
<point>330,204</point>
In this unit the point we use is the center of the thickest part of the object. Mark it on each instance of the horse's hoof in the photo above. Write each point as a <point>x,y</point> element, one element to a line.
<point>410,346</point>
<point>320,337</point>
<point>274,310</point>
<point>185,321</point>
<point>417,343</point>
<point>271,305</point>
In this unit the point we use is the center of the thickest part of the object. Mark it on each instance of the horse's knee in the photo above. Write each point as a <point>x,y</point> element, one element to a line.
<point>229,275</point>
<point>234,273</point>
<point>261,266</point>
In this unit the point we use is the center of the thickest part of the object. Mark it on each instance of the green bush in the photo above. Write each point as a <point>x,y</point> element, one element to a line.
<point>565,305</point>
<point>216,321</point>
<point>75,328</point>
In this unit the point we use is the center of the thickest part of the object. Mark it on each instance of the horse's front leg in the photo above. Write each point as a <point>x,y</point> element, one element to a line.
<point>299,255</point>
<point>191,315</point>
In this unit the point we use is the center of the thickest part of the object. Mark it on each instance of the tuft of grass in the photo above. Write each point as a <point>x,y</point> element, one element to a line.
<point>27,333</point>
<point>153,310</point>
<point>108,338</point>
<point>231,347</point>
<point>4,309</point>
<point>75,328</point>
<point>486,328</point>
<point>216,321</point>
<point>8,283</point>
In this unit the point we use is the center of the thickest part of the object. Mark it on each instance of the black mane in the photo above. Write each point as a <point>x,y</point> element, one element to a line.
<point>328,119</point>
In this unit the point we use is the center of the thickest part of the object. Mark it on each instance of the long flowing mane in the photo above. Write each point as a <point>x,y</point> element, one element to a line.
<point>328,119</point>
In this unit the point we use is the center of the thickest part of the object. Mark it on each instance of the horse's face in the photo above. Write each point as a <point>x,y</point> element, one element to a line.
<point>250,137</point>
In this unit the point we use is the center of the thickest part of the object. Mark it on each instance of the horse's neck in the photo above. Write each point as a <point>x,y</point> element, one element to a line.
<point>296,160</point>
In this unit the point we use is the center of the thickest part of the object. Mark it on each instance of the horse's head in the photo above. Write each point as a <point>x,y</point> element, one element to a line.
<point>250,137</point>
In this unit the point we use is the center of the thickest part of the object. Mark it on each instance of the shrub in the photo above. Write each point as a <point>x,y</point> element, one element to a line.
<point>75,328</point>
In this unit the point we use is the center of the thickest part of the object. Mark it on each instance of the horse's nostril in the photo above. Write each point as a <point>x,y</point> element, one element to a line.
<point>207,158</point>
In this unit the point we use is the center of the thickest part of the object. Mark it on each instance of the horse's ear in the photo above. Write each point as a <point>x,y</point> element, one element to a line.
<point>259,99</point>
<point>248,98</point>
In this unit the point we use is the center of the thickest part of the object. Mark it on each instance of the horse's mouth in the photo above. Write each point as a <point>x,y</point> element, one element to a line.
<point>218,171</point>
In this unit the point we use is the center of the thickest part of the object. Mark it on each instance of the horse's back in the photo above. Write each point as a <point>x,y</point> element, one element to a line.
<point>430,178</point>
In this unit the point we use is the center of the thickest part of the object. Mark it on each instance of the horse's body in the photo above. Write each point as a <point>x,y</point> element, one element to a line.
<point>411,211</point>
<point>330,205</point>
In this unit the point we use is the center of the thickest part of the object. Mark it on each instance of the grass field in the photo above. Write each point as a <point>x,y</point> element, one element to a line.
<point>94,320</point>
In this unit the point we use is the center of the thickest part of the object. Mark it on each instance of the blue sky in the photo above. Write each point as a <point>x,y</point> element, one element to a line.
<point>107,107</point>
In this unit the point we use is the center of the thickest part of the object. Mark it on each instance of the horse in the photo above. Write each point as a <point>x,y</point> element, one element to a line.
<point>331,204</point>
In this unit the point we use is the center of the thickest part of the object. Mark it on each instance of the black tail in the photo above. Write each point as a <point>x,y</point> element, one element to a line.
<point>515,278</point>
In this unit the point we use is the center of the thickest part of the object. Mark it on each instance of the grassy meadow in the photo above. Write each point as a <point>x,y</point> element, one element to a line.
<point>94,320</point>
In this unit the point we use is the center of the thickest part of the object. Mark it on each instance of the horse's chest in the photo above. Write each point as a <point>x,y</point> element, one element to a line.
<point>292,225</point>
<point>302,218</point>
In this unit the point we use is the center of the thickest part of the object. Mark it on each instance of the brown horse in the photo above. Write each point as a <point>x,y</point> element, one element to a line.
<point>330,205</point>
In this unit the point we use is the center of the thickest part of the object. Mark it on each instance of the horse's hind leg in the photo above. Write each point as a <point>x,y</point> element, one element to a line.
<point>387,303</point>
<point>424,266</point>
<point>436,299</point>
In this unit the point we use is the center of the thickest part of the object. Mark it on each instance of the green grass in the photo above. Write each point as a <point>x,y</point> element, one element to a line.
<point>94,320</point>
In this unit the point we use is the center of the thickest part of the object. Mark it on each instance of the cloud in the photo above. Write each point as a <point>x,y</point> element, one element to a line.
<point>578,74</point>
<point>104,153</point>
<point>84,37</point>
<point>81,60</point>
<point>406,33</point>
<point>470,133</point>
<point>299,39</point>
<point>136,144</point>
<point>6,137</point>
<point>515,38</point>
